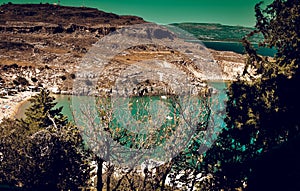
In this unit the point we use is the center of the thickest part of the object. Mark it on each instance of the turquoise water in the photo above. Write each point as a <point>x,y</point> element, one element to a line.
<point>237,47</point>
<point>149,122</point>
<point>66,100</point>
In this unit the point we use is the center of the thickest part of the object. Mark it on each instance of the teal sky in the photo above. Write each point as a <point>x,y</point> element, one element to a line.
<point>230,12</point>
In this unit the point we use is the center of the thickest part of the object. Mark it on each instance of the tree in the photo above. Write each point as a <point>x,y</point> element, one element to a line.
<point>43,151</point>
<point>11,134</point>
<point>114,172</point>
<point>42,113</point>
<point>143,112</point>
<point>263,104</point>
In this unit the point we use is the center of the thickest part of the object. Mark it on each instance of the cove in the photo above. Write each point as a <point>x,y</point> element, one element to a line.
<point>65,101</point>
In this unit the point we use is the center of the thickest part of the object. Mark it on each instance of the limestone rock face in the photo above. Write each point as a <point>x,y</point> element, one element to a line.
<point>232,64</point>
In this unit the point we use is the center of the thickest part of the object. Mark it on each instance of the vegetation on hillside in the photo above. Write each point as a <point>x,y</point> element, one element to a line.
<point>218,32</point>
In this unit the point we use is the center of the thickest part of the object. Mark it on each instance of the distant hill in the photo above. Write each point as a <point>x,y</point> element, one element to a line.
<point>217,32</point>
<point>224,37</point>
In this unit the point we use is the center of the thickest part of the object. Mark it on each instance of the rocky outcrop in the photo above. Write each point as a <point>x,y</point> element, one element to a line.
<point>49,28</point>
<point>232,64</point>
<point>149,70</point>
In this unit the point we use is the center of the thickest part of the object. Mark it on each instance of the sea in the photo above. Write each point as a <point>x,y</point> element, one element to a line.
<point>237,47</point>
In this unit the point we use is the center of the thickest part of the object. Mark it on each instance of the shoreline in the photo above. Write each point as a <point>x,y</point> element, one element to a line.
<point>17,107</point>
<point>10,105</point>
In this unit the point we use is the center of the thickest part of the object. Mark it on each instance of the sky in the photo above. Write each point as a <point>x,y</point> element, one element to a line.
<point>228,12</point>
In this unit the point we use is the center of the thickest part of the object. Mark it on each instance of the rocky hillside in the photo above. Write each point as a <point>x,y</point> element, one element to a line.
<point>51,34</point>
<point>56,38</point>
<point>39,35</point>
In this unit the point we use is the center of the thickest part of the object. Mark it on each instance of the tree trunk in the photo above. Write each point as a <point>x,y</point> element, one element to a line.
<point>165,174</point>
<point>99,174</point>
<point>110,171</point>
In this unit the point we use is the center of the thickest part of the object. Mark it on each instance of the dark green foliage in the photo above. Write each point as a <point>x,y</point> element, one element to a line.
<point>43,151</point>
<point>46,160</point>
<point>41,112</point>
<point>263,105</point>
<point>278,169</point>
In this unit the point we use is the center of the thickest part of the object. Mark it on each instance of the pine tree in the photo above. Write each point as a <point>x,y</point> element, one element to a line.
<point>42,113</point>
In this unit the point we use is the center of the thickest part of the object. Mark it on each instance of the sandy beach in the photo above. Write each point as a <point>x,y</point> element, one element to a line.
<point>9,104</point>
